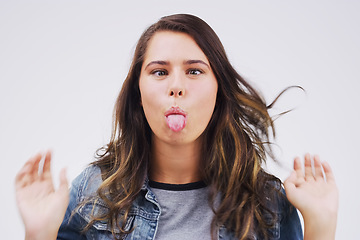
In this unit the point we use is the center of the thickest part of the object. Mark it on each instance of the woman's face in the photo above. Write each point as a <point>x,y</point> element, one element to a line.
<point>178,88</point>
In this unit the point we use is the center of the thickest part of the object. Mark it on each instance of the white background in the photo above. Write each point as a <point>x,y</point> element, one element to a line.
<point>62,64</point>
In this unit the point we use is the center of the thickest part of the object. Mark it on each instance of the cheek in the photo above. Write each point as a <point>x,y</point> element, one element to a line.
<point>145,92</point>
<point>151,102</point>
<point>151,94</point>
<point>205,102</point>
<point>206,95</point>
<point>147,102</point>
<point>144,98</point>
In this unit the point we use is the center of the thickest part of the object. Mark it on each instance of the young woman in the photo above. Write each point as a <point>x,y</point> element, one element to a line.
<point>184,161</point>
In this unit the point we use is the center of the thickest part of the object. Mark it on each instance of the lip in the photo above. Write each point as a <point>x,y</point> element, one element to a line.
<point>175,110</point>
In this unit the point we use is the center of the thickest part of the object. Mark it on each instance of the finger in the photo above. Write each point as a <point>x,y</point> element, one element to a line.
<point>47,165</point>
<point>20,179</point>
<point>318,168</point>
<point>25,176</point>
<point>297,173</point>
<point>63,191</point>
<point>298,168</point>
<point>34,172</point>
<point>328,173</point>
<point>291,184</point>
<point>308,169</point>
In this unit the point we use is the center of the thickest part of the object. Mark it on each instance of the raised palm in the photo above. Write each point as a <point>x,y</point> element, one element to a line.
<point>41,207</point>
<point>314,193</point>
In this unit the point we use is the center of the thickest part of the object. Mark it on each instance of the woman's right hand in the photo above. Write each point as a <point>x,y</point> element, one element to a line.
<point>42,208</point>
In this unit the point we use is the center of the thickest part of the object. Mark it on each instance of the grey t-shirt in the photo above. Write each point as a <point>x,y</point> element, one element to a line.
<point>185,211</point>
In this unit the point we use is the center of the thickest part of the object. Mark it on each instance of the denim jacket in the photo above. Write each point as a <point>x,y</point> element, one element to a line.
<point>145,213</point>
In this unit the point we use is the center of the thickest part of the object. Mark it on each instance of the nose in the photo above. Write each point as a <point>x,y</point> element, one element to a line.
<point>177,86</point>
<point>176,92</point>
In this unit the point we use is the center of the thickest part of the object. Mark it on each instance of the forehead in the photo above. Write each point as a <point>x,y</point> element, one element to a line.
<point>169,45</point>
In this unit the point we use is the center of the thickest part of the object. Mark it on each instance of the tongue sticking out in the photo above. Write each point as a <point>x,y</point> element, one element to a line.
<point>176,122</point>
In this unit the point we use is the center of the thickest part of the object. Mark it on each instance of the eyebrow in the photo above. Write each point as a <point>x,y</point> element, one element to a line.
<point>157,62</point>
<point>187,62</point>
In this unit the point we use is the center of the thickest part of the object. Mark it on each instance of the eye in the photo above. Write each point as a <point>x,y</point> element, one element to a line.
<point>159,73</point>
<point>195,71</point>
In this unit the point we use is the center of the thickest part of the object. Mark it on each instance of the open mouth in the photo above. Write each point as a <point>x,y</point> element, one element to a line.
<point>176,119</point>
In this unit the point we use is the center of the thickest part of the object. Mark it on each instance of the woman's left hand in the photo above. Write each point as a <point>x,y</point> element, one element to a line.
<point>315,194</point>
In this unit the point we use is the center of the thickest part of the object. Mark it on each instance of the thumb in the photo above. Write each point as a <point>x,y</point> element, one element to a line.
<point>64,185</point>
<point>290,185</point>
<point>290,181</point>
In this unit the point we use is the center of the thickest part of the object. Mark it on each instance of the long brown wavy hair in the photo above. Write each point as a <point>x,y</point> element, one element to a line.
<point>236,142</point>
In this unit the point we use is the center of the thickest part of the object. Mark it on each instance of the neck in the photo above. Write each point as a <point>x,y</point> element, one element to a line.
<point>175,163</point>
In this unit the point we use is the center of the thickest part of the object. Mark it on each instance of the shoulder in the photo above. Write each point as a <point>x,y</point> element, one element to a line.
<point>287,223</point>
<point>86,184</point>
<point>77,215</point>
<point>277,201</point>
<point>84,200</point>
<point>84,206</point>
